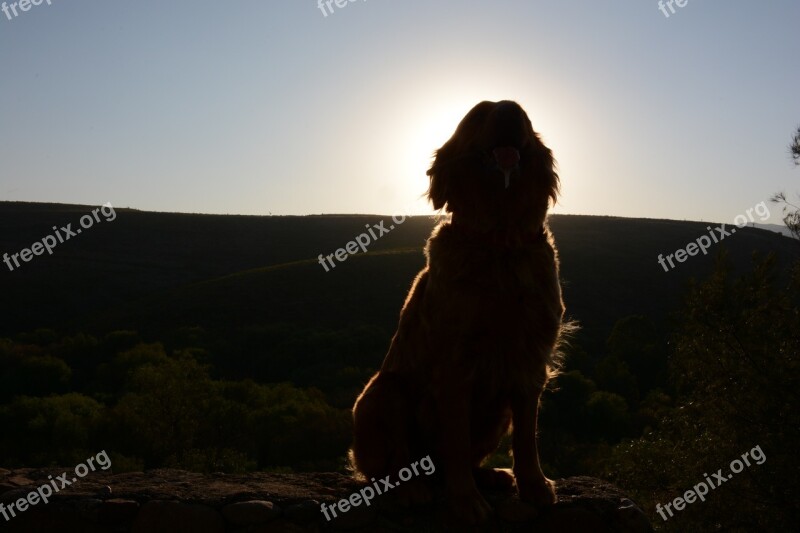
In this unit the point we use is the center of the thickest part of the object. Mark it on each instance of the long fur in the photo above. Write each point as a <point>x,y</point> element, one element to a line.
<point>479,331</point>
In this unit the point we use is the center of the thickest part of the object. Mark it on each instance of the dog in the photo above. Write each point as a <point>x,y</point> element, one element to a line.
<point>479,332</point>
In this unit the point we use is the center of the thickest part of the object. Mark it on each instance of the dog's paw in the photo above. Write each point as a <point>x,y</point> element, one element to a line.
<point>493,479</point>
<point>468,507</point>
<point>539,493</point>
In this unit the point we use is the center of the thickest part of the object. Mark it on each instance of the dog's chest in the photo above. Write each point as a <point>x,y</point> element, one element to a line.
<point>521,279</point>
<point>502,305</point>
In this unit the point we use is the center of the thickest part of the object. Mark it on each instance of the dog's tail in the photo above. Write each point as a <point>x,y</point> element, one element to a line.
<point>566,333</point>
<point>351,467</point>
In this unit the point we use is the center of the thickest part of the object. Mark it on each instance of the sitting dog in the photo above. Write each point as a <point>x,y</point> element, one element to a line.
<point>479,331</point>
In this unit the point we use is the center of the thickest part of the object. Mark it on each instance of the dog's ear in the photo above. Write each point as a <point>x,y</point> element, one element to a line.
<point>554,184</point>
<point>438,189</point>
<point>547,165</point>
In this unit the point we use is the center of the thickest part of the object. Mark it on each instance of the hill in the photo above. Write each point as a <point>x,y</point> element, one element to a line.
<point>155,272</point>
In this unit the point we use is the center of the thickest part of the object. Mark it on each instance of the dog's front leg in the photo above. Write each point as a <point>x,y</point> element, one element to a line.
<point>465,502</point>
<point>533,486</point>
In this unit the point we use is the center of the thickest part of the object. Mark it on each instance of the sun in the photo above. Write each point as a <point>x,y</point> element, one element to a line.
<point>428,128</point>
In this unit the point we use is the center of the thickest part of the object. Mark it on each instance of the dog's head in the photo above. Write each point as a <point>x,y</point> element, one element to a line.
<point>494,173</point>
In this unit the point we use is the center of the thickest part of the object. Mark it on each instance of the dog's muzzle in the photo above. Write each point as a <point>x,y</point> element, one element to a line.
<point>507,160</point>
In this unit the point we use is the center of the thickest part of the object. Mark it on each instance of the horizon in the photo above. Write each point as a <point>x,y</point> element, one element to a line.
<point>753,223</point>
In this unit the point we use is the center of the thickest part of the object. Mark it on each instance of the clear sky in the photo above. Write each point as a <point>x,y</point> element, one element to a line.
<point>269,106</point>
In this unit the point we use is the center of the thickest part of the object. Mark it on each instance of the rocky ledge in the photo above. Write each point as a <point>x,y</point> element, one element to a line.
<point>174,501</point>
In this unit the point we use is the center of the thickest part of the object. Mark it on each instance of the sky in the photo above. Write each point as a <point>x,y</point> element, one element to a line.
<point>273,107</point>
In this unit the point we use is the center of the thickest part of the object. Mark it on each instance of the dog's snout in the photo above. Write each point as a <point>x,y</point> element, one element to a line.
<point>506,157</point>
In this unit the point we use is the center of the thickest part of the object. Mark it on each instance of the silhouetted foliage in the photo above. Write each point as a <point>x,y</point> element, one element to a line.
<point>791,212</point>
<point>735,365</point>
<point>55,430</point>
<point>154,409</point>
<point>636,342</point>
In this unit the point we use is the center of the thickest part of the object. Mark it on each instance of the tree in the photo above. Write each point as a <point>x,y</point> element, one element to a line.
<point>164,409</point>
<point>736,367</point>
<point>636,342</point>
<point>45,431</point>
<point>791,212</point>
<point>608,415</point>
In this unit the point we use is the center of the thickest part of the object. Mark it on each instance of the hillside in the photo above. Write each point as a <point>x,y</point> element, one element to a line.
<point>158,271</point>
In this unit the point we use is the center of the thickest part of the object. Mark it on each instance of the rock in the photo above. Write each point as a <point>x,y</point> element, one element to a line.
<point>307,511</point>
<point>570,518</point>
<point>630,518</point>
<point>20,481</point>
<point>356,518</point>
<point>14,494</point>
<point>172,517</point>
<point>88,508</point>
<point>117,511</point>
<point>277,526</point>
<point>178,501</point>
<point>249,513</point>
<point>515,511</point>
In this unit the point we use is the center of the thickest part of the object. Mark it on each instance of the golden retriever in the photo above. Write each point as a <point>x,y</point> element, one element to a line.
<point>478,334</point>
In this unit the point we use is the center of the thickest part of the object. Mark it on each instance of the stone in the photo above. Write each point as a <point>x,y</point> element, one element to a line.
<point>117,511</point>
<point>570,518</point>
<point>251,512</point>
<point>631,518</point>
<point>88,508</point>
<point>355,518</point>
<point>277,526</point>
<point>170,516</point>
<point>14,494</point>
<point>307,511</point>
<point>515,511</point>
<point>20,481</point>
<point>168,500</point>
